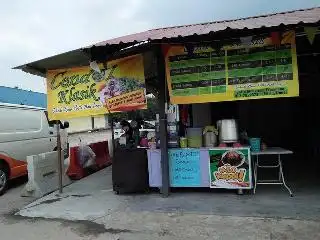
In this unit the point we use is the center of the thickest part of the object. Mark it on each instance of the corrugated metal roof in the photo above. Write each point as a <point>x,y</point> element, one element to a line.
<point>78,57</point>
<point>311,15</point>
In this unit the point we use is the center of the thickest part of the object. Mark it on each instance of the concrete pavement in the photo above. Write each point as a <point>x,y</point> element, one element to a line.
<point>90,210</point>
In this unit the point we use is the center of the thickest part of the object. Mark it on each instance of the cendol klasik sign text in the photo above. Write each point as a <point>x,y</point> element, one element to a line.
<point>77,92</point>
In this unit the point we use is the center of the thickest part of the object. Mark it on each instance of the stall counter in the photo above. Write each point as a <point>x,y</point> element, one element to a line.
<point>203,167</point>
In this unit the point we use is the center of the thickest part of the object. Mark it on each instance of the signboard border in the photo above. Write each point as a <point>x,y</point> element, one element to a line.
<point>250,167</point>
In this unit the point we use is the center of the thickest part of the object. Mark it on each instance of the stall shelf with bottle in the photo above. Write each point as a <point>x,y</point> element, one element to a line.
<point>218,167</point>
<point>201,162</point>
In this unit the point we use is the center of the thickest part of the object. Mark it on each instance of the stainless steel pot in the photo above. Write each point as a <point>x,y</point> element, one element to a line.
<point>228,131</point>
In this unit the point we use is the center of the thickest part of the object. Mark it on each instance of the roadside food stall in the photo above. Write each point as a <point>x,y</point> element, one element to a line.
<point>214,64</point>
<point>251,67</point>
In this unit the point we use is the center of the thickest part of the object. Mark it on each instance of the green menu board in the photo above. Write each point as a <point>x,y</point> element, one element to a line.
<point>198,73</point>
<point>260,65</point>
<point>236,72</point>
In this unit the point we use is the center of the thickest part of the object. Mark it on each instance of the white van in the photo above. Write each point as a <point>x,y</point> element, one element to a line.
<point>24,131</point>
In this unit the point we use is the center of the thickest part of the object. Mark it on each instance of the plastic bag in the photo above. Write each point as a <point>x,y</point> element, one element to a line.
<point>86,155</point>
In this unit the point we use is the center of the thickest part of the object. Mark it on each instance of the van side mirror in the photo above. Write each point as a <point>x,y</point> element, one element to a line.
<point>66,125</point>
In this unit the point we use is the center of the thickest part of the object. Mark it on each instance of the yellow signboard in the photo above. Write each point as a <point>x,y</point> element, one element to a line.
<point>77,92</point>
<point>237,71</point>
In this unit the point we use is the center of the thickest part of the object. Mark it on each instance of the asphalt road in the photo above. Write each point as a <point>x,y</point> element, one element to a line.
<point>11,200</point>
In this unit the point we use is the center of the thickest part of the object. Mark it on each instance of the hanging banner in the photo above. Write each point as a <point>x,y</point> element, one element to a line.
<point>78,92</point>
<point>239,71</point>
<point>230,168</point>
<point>311,33</point>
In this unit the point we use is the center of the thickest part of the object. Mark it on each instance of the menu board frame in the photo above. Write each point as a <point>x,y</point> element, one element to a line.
<point>237,71</point>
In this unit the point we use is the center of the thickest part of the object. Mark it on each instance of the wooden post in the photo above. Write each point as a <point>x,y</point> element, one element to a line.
<point>59,157</point>
<point>161,75</point>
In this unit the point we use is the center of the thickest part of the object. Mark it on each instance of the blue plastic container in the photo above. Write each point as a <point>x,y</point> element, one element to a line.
<point>255,144</point>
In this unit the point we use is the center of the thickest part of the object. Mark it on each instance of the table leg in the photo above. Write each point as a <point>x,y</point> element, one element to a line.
<point>240,191</point>
<point>255,172</point>
<point>282,176</point>
<point>279,173</point>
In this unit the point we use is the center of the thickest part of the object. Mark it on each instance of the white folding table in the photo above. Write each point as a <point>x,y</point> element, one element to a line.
<point>270,151</point>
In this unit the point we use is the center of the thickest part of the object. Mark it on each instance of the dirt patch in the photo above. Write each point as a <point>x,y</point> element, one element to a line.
<point>88,228</point>
<point>49,201</point>
<point>80,227</point>
<point>80,195</point>
<point>11,218</point>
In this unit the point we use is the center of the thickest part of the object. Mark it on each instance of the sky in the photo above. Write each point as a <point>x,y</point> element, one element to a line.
<point>34,29</point>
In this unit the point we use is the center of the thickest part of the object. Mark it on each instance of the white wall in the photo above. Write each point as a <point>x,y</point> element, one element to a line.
<point>80,124</point>
<point>100,121</point>
<point>83,124</point>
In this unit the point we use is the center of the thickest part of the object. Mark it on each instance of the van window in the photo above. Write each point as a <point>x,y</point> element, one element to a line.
<point>20,120</point>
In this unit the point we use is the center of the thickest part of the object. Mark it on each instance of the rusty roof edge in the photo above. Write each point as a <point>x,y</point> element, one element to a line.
<point>32,69</point>
<point>236,19</point>
<point>154,35</point>
<point>47,58</point>
<point>145,33</point>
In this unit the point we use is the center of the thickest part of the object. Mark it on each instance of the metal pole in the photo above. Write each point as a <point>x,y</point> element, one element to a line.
<point>59,157</point>
<point>161,75</point>
<point>112,136</point>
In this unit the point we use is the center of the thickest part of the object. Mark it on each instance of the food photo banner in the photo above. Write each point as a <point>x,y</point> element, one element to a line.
<point>230,168</point>
<point>78,92</point>
<point>250,68</point>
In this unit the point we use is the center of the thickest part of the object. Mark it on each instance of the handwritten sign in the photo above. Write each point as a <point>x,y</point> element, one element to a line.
<point>184,167</point>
